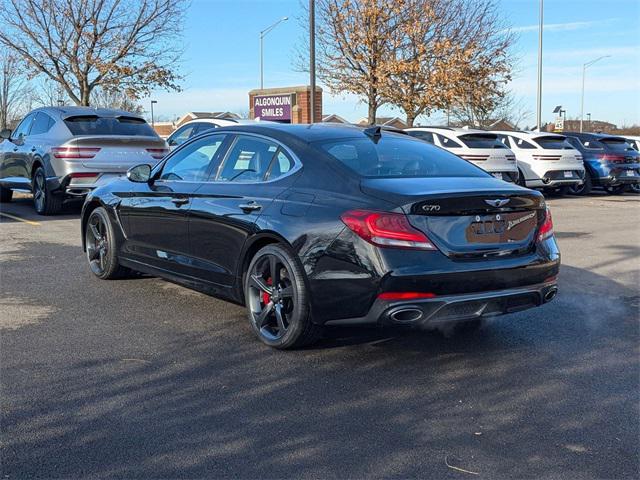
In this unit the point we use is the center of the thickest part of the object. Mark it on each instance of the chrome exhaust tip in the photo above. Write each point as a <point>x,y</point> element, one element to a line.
<point>406,315</point>
<point>551,294</point>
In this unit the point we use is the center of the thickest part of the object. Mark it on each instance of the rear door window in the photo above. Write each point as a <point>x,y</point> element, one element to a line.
<point>521,143</point>
<point>95,125</point>
<point>248,160</point>
<point>42,124</point>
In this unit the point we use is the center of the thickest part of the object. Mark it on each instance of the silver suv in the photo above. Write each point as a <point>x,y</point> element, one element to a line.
<point>62,152</point>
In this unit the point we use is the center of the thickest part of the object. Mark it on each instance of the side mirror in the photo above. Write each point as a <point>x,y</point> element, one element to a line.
<point>5,134</point>
<point>140,173</point>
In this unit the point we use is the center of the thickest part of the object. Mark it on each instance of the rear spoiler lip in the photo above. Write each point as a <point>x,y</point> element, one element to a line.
<point>91,115</point>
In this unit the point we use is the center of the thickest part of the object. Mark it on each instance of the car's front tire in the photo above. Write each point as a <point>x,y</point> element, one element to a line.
<point>44,201</point>
<point>277,300</point>
<point>102,246</point>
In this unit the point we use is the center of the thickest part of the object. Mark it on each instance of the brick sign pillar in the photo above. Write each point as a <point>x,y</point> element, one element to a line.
<point>285,104</point>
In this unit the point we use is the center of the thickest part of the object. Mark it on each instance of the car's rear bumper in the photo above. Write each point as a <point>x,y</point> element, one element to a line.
<point>454,308</point>
<point>80,187</point>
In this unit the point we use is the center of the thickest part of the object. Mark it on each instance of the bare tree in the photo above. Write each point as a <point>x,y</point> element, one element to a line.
<point>449,51</point>
<point>49,93</point>
<point>500,106</point>
<point>117,45</point>
<point>13,89</point>
<point>118,100</point>
<point>354,43</point>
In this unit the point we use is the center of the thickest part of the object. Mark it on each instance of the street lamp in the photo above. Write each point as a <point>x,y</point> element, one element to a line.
<point>153,123</point>
<point>589,117</point>
<point>539,100</point>
<point>584,70</point>
<point>263,34</point>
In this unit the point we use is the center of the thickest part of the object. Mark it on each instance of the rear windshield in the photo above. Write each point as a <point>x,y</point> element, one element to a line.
<point>617,144</point>
<point>481,140</point>
<point>94,125</point>
<point>553,143</point>
<point>393,157</point>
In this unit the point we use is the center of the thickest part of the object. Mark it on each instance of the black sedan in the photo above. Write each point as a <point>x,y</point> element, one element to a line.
<point>313,225</point>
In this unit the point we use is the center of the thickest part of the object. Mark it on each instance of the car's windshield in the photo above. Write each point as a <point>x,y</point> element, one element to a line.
<point>394,156</point>
<point>95,125</point>
<point>481,140</point>
<point>553,143</point>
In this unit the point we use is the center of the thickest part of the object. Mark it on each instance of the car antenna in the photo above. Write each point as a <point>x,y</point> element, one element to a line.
<point>374,133</point>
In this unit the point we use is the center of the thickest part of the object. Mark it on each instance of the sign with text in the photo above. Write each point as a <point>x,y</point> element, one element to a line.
<point>273,107</point>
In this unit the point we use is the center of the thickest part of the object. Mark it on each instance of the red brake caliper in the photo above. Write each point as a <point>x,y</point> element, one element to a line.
<point>266,298</point>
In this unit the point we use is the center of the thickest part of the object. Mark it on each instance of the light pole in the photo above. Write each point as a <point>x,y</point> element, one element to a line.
<point>589,117</point>
<point>584,70</point>
<point>539,105</point>
<point>153,123</point>
<point>263,34</point>
<point>312,58</point>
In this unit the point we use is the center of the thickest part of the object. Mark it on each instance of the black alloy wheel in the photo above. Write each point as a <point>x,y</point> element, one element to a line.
<point>6,194</point>
<point>45,202</point>
<point>634,187</point>
<point>101,246</point>
<point>585,187</point>
<point>276,298</point>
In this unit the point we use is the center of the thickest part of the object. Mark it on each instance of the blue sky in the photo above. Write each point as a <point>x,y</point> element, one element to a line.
<point>221,60</point>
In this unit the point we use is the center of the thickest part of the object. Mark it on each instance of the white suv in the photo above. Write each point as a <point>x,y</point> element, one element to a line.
<point>481,148</point>
<point>546,160</point>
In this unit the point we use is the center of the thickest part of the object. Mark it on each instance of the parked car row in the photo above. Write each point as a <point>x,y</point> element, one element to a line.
<point>567,163</point>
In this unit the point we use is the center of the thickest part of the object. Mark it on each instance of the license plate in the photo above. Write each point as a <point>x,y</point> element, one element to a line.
<point>568,174</point>
<point>630,173</point>
<point>497,175</point>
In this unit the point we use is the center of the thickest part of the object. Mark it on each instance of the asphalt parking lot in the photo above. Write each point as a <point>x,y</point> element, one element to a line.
<point>145,379</point>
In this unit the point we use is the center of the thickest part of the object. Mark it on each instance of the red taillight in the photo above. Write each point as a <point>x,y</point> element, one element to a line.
<point>386,229</point>
<point>613,158</point>
<point>157,153</point>
<point>546,230</point>
<point>405,295</point>
<point>74,152</point>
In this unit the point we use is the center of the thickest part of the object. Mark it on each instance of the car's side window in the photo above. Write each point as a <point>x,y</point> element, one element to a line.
<point>248,160</point>
<point>280,165</point>
<point>42,124</point>
<point>523,143</point>
<point>203,127</point>
<point>505,140</point>
<point>447,142</point>
<point>426,136</point>
<point>192,163</point>
<point>24,127</point>
<point>181,135</point>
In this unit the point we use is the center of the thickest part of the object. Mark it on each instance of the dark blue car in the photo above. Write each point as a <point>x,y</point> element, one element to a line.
<point>610,162</point>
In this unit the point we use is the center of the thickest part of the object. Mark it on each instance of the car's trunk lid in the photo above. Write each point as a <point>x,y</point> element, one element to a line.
<point>118,153</point>
<point>466,217</point>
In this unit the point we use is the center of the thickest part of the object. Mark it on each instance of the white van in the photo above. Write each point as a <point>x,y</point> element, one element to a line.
<point>479,147</point>
<point>546,160</point>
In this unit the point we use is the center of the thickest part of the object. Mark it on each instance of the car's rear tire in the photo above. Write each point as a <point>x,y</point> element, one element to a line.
<point>102,247</point>
<point>585,188</point>
<point>44,201</point>
<point>634,187</point>
<point>277,300</point>
<point>6,194</point>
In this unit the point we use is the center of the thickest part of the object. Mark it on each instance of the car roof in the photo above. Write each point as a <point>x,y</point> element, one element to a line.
<point>72,111</point>
<point>455,130</point>
<point>309,133</point>
<point>525,134</point>
<point>593,136</point>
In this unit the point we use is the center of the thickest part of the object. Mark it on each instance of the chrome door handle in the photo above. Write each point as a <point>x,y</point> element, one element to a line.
<point>180,200</point>
<point>249,207</point>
